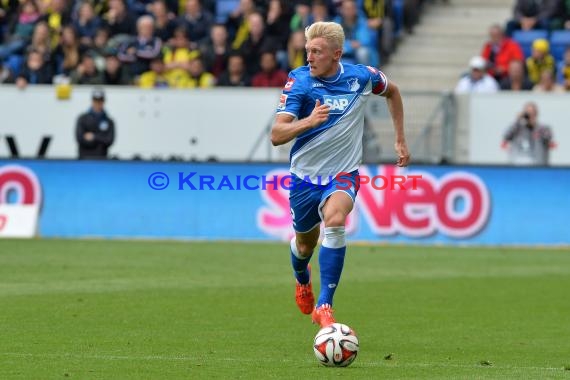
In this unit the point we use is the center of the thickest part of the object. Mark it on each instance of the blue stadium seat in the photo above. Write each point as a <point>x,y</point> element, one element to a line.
<point>224,8</point>
<point>525,38</point>
<point>559,41</point>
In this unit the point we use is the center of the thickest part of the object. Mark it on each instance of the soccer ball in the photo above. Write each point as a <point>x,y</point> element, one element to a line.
<point>336,345</point>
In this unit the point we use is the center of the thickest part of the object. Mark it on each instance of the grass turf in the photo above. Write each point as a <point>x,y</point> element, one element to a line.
<point>168,310</point>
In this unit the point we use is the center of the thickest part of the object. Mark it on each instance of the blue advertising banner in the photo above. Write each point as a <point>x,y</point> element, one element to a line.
<point>421,204</point>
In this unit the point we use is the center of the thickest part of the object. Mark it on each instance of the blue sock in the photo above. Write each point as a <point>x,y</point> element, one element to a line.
<point>299,264</point>
<point>331,260</point>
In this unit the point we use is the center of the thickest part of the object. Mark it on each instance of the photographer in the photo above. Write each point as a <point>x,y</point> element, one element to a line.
<point>527,140</point>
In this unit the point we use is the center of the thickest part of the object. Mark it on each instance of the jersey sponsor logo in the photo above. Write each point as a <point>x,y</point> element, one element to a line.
<point>353,84</point>
<point>338,103</point>
<point>282,102</point>
<point>289,84</point>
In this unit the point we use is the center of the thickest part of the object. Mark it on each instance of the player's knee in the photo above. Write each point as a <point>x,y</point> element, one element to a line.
<point>305,249</point>
<point>335,219</point>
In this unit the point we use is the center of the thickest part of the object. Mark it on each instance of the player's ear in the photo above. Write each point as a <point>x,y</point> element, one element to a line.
<point>337,54</point>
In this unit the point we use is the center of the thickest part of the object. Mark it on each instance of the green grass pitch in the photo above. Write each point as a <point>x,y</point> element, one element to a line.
<point>89,309</point>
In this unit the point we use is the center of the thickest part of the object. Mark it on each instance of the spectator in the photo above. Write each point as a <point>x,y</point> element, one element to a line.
<point>57,15</point>
<point>41,41</point>
<point>499,51</point>
<point>301,19</point>
<point>296,52</point>
<point>86,72</point>
<point>237,24</point>
<point>563,70</point>
<point>528,141</point>
<point>257,42</point>
<point>199,77</point>
<point>380,23</point>
<point>113,72</point>
<point>177,57</point>
<point>516,79</point>
<point>35,71</point>
<point>87,23</point>
<point>138,53</point>
<point>477,81</point>
<point>319,11</point>
<point>532,14</point>
<point>95,130</point>
<point>277,24</point>
<point>270,74</point>
<point>540,60</point>
<point>216,50</point>
<point>196,20</point>
<point>68,53</point>
<point>164,24</point>
<point>22,31</point>
<point>359,44</point>
<point>155,77</point>
<point>99,49</point>
<point>547,83</point>
<point>236,74</point>
<point>119,19</point>
<point>8,8</point>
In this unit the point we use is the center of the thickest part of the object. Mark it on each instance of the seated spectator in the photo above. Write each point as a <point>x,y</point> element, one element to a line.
<point>196,20</point>
<point>532,14</point>
<point>270,74</point>
<point>6,75</point>
<point>35,71</point>
<point>138,53</point>
<point>359,44</point>
<point>87,23</point>
<point>257,42</point>
<point>277,24</point>
<point>156,77</point>
<point>477,81</point>
<point>319,12</point>
<point>499,51</point>
<point>198,76</point>
<point>164,24</point>
<point>177,56</point>
<point>301,18</point>
<point>547,83</point>
<point>68,53</point>
<point>381,24</point>
<point>236,74</point>
<point>21,33</point>
<point>296,52</point>
<point>99,49</point>
<point>237,24</point>
<point>540,60</point>
<point>8,8</point>
<point>57,15</point>
<point>114,73</point>
<point>119,19</point>
<point>41,41</point>
<point>215,50</point>
<point>86,72</point>
<point>516,79</point>
<point>563,70</point>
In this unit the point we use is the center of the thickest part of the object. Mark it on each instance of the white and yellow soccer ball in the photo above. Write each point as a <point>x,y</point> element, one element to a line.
<point>336,345</point>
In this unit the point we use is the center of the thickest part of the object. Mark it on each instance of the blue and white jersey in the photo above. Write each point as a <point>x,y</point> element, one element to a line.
<point>335,146</point>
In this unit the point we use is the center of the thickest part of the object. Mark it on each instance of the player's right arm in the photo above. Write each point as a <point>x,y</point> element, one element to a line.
<point>285,128</point>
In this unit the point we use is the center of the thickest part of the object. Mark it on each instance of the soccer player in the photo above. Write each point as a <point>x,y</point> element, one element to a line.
<point>322,108</point>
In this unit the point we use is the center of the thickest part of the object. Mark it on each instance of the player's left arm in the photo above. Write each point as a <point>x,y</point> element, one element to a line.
<point>396,108</point>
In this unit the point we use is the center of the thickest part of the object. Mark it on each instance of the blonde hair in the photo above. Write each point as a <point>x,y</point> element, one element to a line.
<point>330,31</point>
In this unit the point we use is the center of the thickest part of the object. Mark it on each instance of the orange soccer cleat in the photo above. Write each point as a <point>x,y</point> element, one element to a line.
<point>323,315</point>
<point>304,296</point>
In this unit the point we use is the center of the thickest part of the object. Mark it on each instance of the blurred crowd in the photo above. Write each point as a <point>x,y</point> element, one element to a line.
<point>531,52</point>
<point>185,43</point>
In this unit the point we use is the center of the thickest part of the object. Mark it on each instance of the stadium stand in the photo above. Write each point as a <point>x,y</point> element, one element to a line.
<point>525,38</point>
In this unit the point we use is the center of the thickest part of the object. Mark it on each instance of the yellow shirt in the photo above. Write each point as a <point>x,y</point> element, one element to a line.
<point>151,79</point>
<point>205,80</point>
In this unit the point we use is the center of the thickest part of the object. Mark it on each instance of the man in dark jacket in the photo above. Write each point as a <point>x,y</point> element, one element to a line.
<point>95,130</point>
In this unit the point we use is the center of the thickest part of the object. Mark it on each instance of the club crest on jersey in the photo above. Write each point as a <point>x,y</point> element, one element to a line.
<point>338,103</point>
<point>289,84</point>
<point>353,84</point>
<point>282,102</point>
